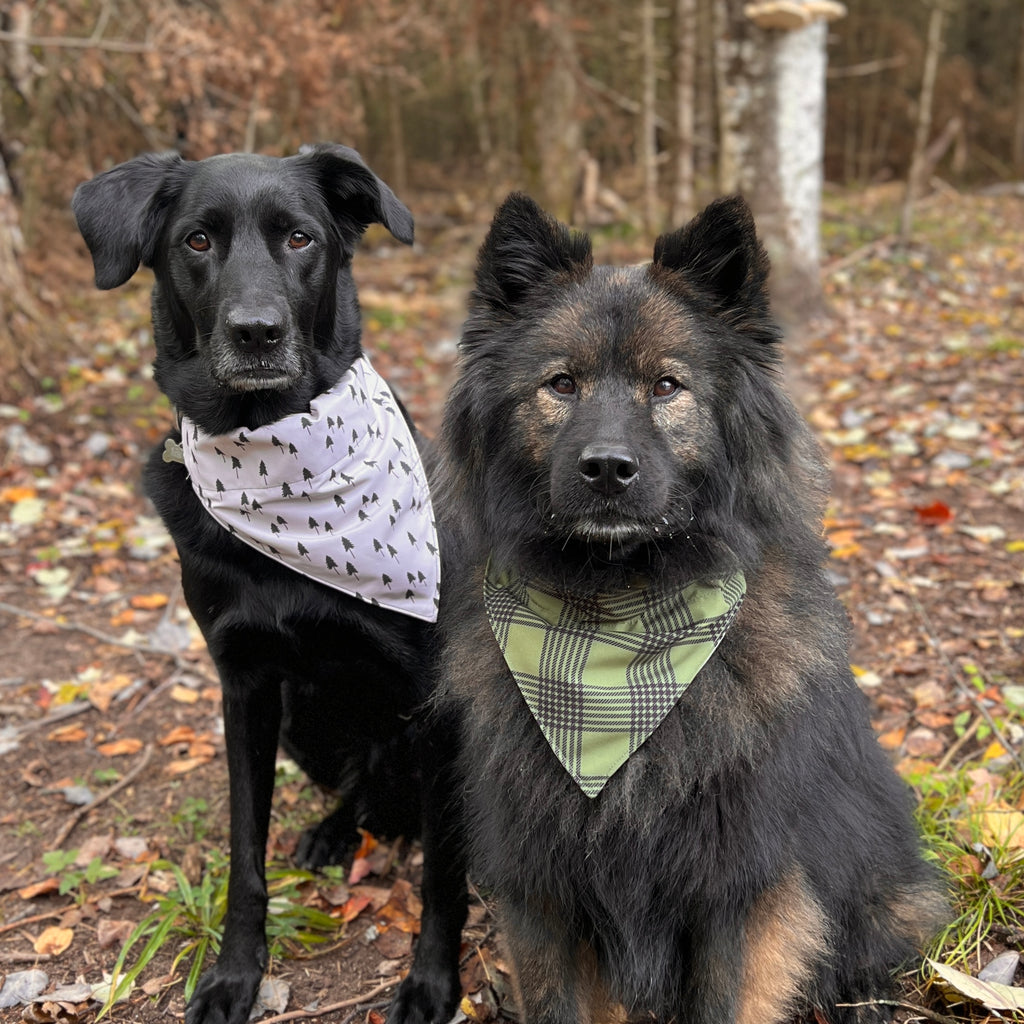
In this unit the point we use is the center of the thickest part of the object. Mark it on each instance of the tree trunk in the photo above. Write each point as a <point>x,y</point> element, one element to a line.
<point>740,84</point>
<point>684,71</point>
<point>549,128</point>
<point>772,84</point>
<point>1018,124</point>
<point>915,182</point>
<point>648,113</point>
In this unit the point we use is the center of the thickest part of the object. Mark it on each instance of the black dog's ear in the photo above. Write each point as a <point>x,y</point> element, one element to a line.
<point>355,193</point>
<point>718,253</point>
<point>121,212</point>
<point>525,248</point>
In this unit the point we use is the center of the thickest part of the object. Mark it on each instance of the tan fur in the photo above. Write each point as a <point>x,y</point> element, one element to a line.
<point>786,932</point>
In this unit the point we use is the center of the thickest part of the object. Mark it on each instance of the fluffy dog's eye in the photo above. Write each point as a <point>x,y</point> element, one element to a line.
<point>199,241</point>
<point>563,384</point>
<point>666,387</point>
<point>299,239</point>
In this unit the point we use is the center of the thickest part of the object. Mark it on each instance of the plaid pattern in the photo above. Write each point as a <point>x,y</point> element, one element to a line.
<point>600,674</point>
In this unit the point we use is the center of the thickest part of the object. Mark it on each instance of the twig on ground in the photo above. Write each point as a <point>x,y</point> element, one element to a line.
<point>345,1004</point>
<point>958,681</point>
<point>858,254</point>
<point>54,716</point>
<point>939,1018</point>
<point>81,812</point>
<point>30,920</point>
<point>24,958</point>
<point>96,634</point>
<point>961,740</point>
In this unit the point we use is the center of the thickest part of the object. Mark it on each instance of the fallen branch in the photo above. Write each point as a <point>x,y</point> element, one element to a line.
<point>345,1004</point>
<point>24,958</point>
<point>960,684</point>
<point>939,1018</point>
<point>81,812</point>
<point>97,634</point>
<point>49,915</point>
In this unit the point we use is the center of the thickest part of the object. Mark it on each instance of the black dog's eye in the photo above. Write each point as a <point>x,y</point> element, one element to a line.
<point>563,384</point>
<point>299,239</point>
<point>198,241</point>
<point>666,387</point>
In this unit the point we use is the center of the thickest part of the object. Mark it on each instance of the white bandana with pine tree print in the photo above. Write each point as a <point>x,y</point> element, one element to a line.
<point>338,493</point>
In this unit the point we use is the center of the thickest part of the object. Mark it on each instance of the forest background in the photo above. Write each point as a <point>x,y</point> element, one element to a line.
<point>906,341</point>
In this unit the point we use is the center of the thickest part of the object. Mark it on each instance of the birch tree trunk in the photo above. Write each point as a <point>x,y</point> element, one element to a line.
<point>772,96</point>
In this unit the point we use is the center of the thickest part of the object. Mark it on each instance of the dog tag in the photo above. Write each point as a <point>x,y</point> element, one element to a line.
<point>172,451</point>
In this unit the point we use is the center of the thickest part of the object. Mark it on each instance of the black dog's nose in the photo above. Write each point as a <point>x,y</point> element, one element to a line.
<point>254,330</point>
<point>608,469</point>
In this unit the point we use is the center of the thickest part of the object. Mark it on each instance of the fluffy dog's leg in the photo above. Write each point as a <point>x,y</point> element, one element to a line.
<point>252,718</point>
<point>552,974</point>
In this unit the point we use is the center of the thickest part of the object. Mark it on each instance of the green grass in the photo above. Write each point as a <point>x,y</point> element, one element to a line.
<point>976,840</point>
<point>190,919</point>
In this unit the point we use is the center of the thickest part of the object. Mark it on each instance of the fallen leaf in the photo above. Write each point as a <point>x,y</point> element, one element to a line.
<point>110,931</point>
<point>183,695</point>
<point>148,601</point>
<point>180,734</point>
<point>186,765</point>
<point>120,748</point>
<point>991,995</point>
<point>46,886</point>
<point>354,906</point>
<point>68,734</point>
<point>22,987</point>
<point>53,940</point>
<point>935,514</point>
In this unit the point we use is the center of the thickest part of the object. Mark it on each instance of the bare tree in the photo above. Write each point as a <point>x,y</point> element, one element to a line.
<point>648,140</point>
<point>684,71</point>
<point>919,163</point>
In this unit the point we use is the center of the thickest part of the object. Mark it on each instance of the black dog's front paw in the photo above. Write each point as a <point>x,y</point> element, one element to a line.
<point>224,995</point>
<point>426,998</point>
<point>328,842</point>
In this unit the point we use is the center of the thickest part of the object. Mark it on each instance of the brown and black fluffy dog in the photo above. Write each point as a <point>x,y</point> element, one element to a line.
<point>755,860</point>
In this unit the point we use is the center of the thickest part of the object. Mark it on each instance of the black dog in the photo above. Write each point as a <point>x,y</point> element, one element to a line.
<point>673,789</point>
<point>256,319</point>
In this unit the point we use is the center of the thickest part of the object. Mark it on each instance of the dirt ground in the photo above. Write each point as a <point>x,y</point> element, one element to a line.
<point>110,736</point>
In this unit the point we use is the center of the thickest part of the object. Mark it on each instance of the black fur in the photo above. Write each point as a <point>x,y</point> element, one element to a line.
<point>756,859</point>
<point>248,329</point>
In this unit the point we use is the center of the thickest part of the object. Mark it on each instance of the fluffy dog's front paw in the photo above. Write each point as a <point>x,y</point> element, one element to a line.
<point>224,995</point>
<point>425,998</point>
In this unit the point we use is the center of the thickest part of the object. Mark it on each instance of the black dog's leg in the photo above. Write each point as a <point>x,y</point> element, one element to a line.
<point>252,718</point>
<point>329,841</point>
<point>430,992</point>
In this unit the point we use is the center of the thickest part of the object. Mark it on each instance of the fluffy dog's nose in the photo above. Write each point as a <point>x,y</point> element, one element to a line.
<point>254,330</point>
<point>608,469</point>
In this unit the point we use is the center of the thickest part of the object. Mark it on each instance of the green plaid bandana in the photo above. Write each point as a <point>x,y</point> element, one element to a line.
<point>599,674</point>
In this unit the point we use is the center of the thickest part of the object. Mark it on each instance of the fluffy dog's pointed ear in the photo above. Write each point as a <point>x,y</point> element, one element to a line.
<point>356,195</point>
<point>719,254</point>
<point>122,211</point>
<point>525,248</point>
